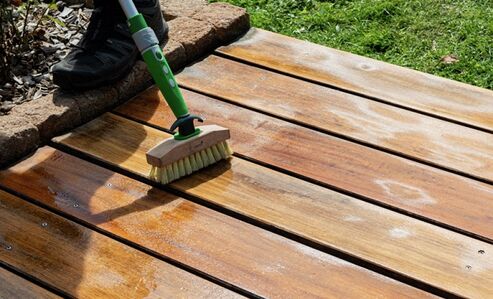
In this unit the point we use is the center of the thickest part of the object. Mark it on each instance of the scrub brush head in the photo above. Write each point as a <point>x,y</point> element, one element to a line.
<point>173,159</point>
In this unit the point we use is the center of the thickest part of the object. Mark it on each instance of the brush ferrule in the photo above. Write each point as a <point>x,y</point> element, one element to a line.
<point>186,126</point>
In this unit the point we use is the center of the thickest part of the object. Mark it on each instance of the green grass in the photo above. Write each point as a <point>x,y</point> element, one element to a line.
<point>410,33</point>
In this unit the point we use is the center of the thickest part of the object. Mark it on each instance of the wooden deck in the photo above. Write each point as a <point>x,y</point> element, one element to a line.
<point>351,178</point>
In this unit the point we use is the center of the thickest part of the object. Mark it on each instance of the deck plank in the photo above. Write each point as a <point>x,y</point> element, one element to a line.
<point>241,254</point>
<point>86,264</point>
<point>419,189</point>
<point>13,286</point>
<point>407,133</point>
<point>402,86</point>
<point>425,252</point>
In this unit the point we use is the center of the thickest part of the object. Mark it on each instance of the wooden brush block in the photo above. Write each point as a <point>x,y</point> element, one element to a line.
<point>171,150</point>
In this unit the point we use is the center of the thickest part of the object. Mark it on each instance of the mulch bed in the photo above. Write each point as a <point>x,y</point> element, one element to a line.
<point>53,30</point>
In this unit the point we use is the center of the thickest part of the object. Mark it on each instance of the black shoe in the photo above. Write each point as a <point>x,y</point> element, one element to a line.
<point>107,51</point>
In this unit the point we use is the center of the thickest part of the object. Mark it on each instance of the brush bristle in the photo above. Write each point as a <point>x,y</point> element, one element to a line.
<point>190,164</point>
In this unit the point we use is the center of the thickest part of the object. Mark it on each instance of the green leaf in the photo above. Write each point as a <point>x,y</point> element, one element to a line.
<point>56,20</point>
<point>53,6</point>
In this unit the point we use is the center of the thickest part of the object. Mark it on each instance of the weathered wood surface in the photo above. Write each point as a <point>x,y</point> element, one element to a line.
<point>13,286</point>
<point>412,134</point>
<point>407,185</point>
<point>390,83</point>
<point>241,254</point>
<point>439,257</point>
<point>86,264</point>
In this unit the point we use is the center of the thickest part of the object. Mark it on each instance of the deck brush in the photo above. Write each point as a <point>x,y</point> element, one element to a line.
<point>191,149</point>
<point>173,159</point>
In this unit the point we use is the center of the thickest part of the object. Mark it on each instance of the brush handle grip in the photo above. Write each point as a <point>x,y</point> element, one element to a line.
<point>162,75</point>
<point>148,45</point>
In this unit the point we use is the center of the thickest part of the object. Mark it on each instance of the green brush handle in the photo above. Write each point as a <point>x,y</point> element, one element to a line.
<point>148,45</point>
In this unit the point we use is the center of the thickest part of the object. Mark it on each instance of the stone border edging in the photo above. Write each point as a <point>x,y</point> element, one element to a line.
<point>196,28</point>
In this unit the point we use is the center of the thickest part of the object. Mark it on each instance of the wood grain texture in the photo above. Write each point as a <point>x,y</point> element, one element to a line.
<point>439,257</point>
<point>407,185</point>
<point>241,254</point>
<point>13,286</point>
<point>86,264</point>
<point>391,83</point>
<point>412,134</point>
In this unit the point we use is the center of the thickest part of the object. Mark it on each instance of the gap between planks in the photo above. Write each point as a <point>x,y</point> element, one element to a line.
<point>13,285</point>
<point>287,172</point>
<point>423,139</point>
<point>423,192</point>
<point>193,234</point>
<point>376,80</point>
<point>83,263</point>
<point>436,264</point>
<point>259,222</point>
<point>93,226</point>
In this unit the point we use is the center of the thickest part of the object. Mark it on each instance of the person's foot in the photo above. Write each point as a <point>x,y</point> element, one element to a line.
<point>107,51</point>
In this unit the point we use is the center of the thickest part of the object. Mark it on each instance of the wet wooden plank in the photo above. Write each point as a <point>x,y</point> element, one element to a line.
<point>241,254</point>
<point>412,134</point>
<point>403,244</point>
<point>390,83</point>
<point>404,184</point>
<point>86,264</point>
<point>13,286</point>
